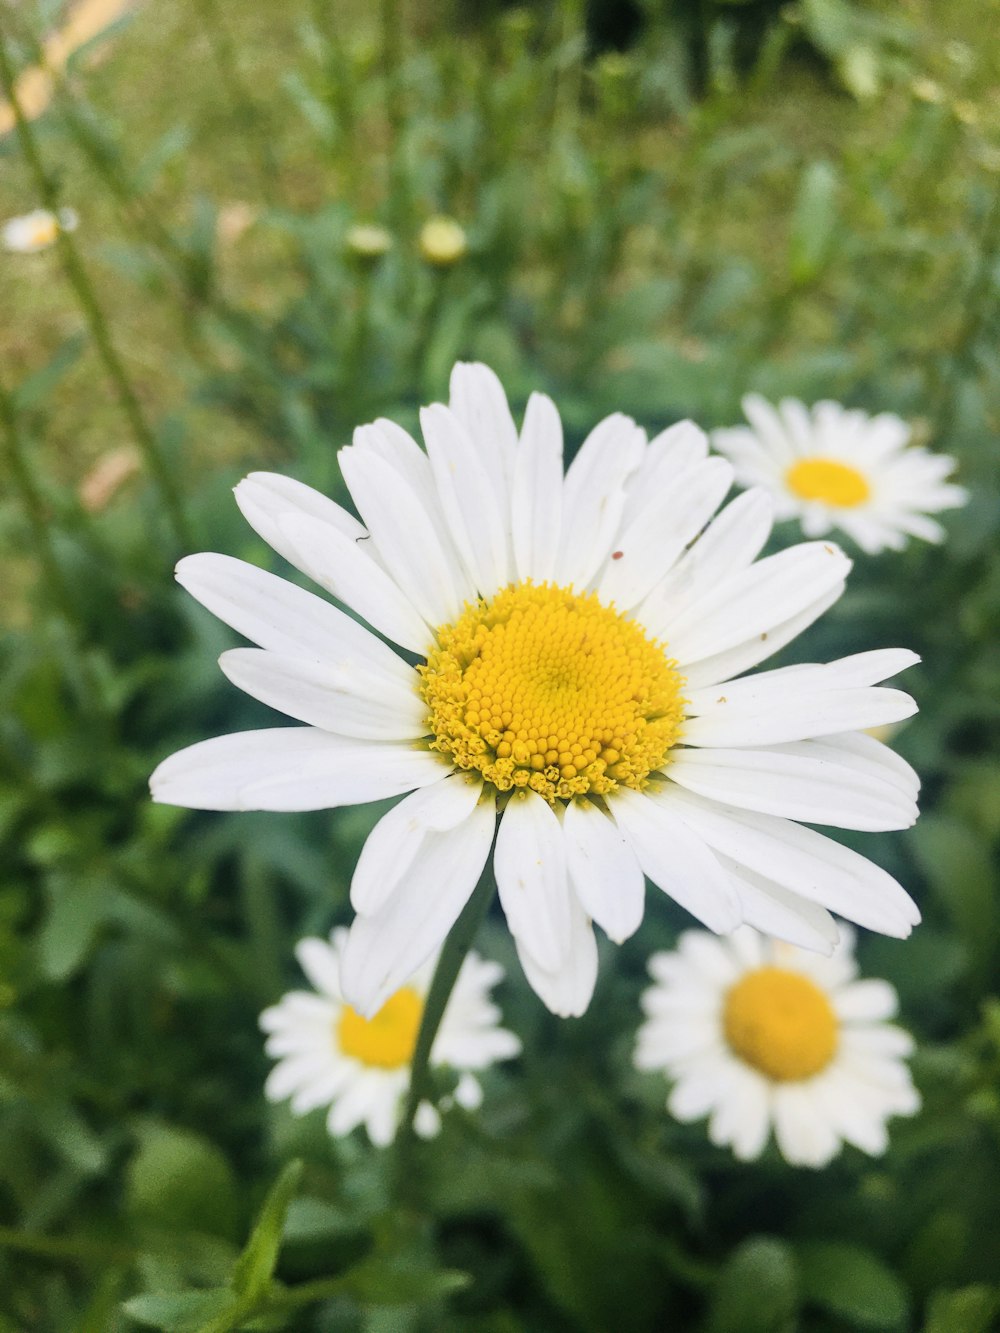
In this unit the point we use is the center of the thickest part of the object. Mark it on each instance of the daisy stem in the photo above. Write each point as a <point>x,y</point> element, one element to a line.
<point>456,946</point>
<point>94,315</point>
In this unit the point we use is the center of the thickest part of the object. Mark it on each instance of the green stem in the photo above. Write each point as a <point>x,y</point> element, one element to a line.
<point>94,315</point>
<point>456,946</point>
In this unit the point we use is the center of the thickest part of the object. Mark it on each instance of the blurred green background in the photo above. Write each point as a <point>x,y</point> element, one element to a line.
<point>665,205</point>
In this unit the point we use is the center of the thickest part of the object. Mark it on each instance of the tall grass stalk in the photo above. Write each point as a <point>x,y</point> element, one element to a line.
<point>76,273</point>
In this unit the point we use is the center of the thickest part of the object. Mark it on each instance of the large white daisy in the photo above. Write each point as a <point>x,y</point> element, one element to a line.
<point>330,1055</point>
<point>759,1034</point>
<point>575,641</point>
<point>835,467</point>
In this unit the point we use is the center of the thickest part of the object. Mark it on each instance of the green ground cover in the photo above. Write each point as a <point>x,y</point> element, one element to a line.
<point>809,210</point>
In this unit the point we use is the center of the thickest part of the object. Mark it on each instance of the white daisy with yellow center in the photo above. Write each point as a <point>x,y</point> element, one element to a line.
<point>834,467</point>
<point>330,1055</point>
<point>761,1035</point>
<point>564,682</point>
<point>37,230</point>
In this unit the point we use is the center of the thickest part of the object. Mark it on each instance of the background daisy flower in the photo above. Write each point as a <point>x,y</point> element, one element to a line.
<point>329,1055</point>
<point>761,1035</point>
<point>577,652</point>
<point>37,230</point>
<point>835,467</point>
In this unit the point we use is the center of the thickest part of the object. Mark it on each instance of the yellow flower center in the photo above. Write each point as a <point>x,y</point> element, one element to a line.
<point>829,481</point>
<point>781,1023</point>
<point>43,232</point>
<point>546,688</point>
<point>387,1040</point>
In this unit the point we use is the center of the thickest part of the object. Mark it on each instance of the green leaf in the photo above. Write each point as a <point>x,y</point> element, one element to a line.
<point>180,1180</point>
<point>256,1264</point>
<point>971,1309</point>
<point>77,907</point>
<point>814,222</point>
<point>756,1290</point>
<point>401,1282</point>
<point>181,1311</point>
<point>850,1282</point>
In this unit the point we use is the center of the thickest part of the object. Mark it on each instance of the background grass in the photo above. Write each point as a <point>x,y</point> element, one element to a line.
<point>801,203</point>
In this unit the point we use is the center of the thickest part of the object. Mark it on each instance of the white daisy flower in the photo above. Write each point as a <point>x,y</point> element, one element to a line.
<point>576,642</point>
<point>329,1055</point>
<point>37,230</point>
<point>759,1034</point>
<point>836,467</point>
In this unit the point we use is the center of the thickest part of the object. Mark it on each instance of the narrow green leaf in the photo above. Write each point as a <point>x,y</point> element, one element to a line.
<point>180,1311</point>
<point>256,1264</point>
<point>814,222</point>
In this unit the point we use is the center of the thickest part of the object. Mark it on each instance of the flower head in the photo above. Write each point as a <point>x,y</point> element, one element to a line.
<point>835,467</point>
<point>37,230</point>
<point>442,241</point>
<point>368,241</point>
<point>579,693</point>
<point>330,1055</point>
<point>759,1035</point>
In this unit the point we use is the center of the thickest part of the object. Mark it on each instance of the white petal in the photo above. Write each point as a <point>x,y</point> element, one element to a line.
<point>668,455</point>
<point>536,492</point>
<point>566,991</point>
<point>594,497</point>
<point>478,400</point>
<point>781,913</point>
<point>803,1133</point>
<point>343,696</point>
<point>404,534</point>
<point>731,542</point>
<point>756,600</point>
<point>791,782</point>
<point>277,614</point>
<point>867,1001</point>
<point>725,665</point>
<point>476,522</point>
<point>427,1121</point>
<point>648,546</point>
<point>320,964</point>
<point>343,568</point>
<point>603,870</point>
<point>801,860</point>
<point>385,949</point>
<point>530,867</point>
<point>675,860</point>
<point>289,768</point>
<point>265,497</point>
<point>397,837</point>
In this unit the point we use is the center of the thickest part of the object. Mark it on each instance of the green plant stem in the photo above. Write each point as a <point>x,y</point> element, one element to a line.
<point>456,946</point>
<point>94,315</point>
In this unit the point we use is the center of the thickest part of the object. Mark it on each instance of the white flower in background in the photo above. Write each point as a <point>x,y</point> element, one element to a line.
<point>577,642</point>
<point>37,230</point>
<point>329,1055</point>
<point>761,1035</point>
<point>836,467</point>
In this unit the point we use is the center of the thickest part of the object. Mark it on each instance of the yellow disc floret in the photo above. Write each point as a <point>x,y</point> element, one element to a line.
<point>828,481</point>
<point>546,688</point>
<point>781,1023</point>
<point>387,1040</point>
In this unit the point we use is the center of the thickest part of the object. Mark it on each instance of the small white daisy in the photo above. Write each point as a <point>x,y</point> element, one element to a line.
<point>759,1034</point>
<point>37,230</point>
<point>329,1055</point>
<point>836,467</point>
<point>570,692</point>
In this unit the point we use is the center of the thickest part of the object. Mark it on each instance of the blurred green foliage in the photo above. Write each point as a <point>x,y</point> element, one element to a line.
<point>656,229</point>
